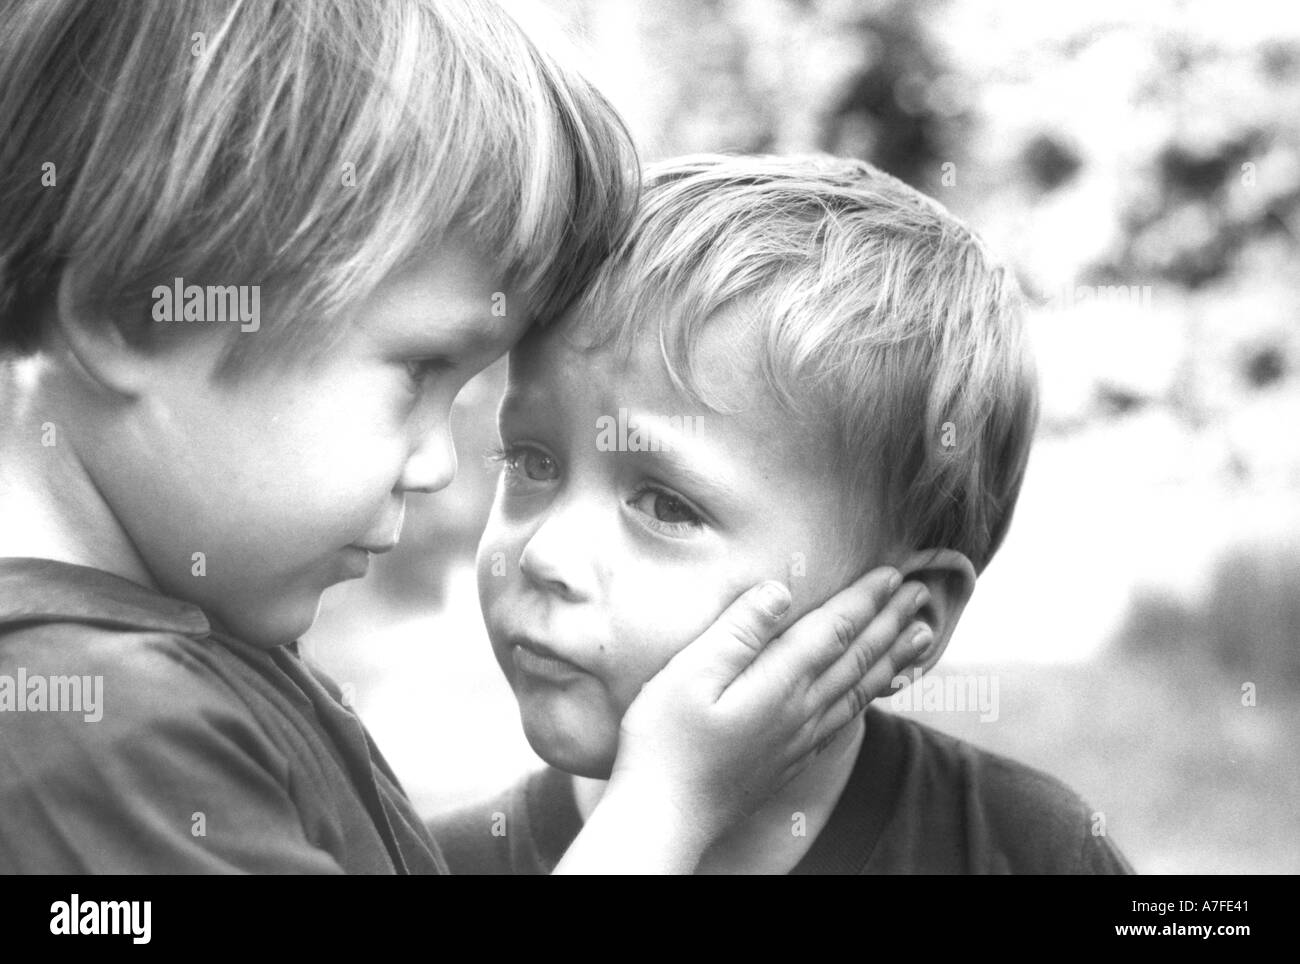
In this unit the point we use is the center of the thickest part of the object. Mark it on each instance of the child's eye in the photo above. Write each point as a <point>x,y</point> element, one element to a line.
<point>532,463</point>
<point>665,511</point>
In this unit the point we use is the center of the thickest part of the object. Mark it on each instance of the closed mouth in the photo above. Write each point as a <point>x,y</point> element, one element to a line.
<point>538,659</point>
<point>376,550</point>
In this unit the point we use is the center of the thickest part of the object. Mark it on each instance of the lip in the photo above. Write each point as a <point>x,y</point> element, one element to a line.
<point>540,661</point>
<point>376,550</point>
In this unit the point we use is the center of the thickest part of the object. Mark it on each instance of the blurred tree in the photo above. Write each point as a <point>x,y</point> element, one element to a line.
<point>898,108</point>
<point>1204,197</point>
<point>1049,161</point>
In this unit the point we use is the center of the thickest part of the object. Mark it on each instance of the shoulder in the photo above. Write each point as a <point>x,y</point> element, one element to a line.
<point>989,812</point>
<point>94,685</point>
<point>124,750</point>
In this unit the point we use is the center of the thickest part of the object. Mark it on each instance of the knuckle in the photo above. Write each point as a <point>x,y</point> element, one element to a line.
<point>858,699</point>
<point>843,630</point>
<point>747,636</point>
<point>898,662</point>
<point>863,659</point>
<point>880,596</point>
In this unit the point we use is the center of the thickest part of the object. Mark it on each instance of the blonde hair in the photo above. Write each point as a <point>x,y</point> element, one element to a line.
<point>208,140</point>
<point>880,316</point>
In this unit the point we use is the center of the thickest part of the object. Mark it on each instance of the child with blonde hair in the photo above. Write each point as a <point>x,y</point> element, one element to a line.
<point>851,363</point>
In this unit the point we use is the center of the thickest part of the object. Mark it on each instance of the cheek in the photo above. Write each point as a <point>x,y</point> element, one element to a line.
<point>658,615</point>
<point>355,436</point>
<point>271,488</point>
<point>663,608</point>
<point>336,453</point>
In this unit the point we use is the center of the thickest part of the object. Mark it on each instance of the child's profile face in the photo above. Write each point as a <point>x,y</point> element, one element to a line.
<point>289,479</point>
<point>598,565</point>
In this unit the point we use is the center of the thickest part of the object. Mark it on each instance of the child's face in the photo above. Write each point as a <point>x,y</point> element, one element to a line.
<point>287,480</point>
<point>597,566</point>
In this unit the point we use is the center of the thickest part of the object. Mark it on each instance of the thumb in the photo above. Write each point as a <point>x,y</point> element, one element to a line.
<point>725,649</point>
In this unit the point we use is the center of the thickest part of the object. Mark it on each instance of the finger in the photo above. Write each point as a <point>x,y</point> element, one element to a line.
<point>821,637</point>
<point>725,649</point>
<point>888,674</point>
<point>858,696</point>
<point>861,664</point>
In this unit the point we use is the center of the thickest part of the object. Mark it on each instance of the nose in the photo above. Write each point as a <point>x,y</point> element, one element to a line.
<point>558,557</point>
<point>432,464</point>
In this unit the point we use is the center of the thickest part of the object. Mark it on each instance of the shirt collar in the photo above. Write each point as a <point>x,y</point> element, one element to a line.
<point>846,843</point>
<point>44,590</point>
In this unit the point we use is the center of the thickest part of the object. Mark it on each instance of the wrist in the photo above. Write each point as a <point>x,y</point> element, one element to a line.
<point>688,825</point>
<point>639,830</point>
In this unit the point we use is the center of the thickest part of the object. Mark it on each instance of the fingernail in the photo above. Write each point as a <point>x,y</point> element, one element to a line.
<point>922,637</point>
<point>775,598</point>
<point>895,580</point>
<point>921,598</point>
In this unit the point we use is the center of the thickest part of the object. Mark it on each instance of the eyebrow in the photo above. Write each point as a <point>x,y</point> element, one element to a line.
<point>475,332</point>
<point>681,457</point>
<point>677,466</point>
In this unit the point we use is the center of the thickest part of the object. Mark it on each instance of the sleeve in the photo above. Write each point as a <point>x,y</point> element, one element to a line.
<point>175,776</point>
<point>1032,823</point>
<point>1098,855</point>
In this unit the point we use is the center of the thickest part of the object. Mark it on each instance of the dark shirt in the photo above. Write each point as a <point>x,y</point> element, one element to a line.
<point>210,756</point>
<point>917,801</point>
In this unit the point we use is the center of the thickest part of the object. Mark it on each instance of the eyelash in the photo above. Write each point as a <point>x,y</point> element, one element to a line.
<point>507,454</point>
<point>669,528</point>
<point>418,369</point>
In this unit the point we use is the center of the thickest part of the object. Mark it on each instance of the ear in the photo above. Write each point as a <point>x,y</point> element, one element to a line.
<point>950,578</point>
<point>97,344</point>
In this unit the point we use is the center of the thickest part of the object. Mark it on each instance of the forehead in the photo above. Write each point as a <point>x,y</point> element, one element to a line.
<point>742,415</point>
<point>564,360</point>
<point>452,293</point>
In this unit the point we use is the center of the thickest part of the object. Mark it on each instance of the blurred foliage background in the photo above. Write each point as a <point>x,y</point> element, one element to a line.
<point>1139,164</point>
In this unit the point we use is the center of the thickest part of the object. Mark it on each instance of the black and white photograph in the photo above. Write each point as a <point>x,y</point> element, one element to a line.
<point>650,437</point>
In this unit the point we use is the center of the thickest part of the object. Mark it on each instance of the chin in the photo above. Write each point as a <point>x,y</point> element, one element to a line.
<point>276,625</point>
<point>570,746</point>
